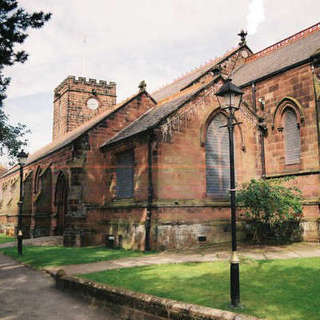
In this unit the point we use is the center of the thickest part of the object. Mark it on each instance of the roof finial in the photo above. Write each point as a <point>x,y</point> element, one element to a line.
<point>142,86</point>
<point>242,34</point>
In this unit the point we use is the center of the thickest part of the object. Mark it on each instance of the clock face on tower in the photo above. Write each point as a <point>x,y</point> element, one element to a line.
<point>92,104</point>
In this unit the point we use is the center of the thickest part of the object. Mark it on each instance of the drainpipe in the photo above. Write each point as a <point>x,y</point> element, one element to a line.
<point>253,92</point>
<point>263,132</point>
<point>316,101</point>
<point>150,194</point>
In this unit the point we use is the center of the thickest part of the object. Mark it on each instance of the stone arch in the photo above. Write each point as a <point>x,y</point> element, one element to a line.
<point>37,181</point>
<point>277,120</point>
<point>43,203</point>
<point>209,118</point>
<point>291,135</point>
<point>27,203</point>
<point>60,201</point>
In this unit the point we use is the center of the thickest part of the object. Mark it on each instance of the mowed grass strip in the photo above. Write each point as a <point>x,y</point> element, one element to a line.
<point>4,238</point>
<point>274,289</point>
<point>47,256</point>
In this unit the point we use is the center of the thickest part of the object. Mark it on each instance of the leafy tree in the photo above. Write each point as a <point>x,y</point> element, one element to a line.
<point>14,22</point>
<point>272,212</point>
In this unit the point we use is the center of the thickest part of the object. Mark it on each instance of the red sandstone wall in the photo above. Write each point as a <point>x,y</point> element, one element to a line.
<point>296,83</point>
<point>182,211</point>
<point>99,166</point>
<point>125,222</point>
<point>10,187</point>
<point>70,102</point>
<point>181,166</point>
<point>83,165</point>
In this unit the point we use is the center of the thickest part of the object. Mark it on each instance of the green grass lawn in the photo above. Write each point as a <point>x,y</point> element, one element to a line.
<point>41,257</point>
<point>4,238</point>
<point>277,289</point>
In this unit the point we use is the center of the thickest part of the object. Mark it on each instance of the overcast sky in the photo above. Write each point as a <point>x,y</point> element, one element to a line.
<point>127,41</point>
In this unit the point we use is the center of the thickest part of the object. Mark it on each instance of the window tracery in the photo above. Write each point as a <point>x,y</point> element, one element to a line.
<point>217,158</point>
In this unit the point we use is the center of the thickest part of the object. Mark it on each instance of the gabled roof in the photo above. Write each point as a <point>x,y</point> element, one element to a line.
<point>171,97</point>
<point>74,134</point>
<point>288,52</point>
<point>158,113</point>
<point>192,76</point>
<point>284,54</point>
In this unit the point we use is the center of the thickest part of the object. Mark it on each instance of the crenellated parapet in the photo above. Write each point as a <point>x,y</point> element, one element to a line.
<point>83,84</point>
<point>79,99</point>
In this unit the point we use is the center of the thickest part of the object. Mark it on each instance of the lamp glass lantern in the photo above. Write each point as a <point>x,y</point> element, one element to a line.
<point>22,157</point>
<point>229,96</point>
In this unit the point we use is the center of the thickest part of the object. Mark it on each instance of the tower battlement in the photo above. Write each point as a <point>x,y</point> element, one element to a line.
<point>72,82</point>
<point>77,100</point>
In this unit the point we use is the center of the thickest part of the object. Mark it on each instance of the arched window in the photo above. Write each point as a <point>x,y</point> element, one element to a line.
<point>60,200</point>
<point>291,136</point>
<point>217,158</point>
<point>37,181</point>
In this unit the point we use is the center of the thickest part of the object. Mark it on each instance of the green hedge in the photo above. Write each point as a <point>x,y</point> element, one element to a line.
<point>272,211</point>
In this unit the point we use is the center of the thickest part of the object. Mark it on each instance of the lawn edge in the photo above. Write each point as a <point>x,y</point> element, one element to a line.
<point>123,301</point>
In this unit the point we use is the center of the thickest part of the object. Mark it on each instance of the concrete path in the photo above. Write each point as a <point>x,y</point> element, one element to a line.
<point>297,250</point>
<point>26,294</point>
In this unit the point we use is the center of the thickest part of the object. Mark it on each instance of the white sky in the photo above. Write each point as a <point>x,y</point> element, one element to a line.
<point>127,41</point>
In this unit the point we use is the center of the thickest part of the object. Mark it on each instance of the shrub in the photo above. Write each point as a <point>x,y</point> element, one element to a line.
<point>273,212</point>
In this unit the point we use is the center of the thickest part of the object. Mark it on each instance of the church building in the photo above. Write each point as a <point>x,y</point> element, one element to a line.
<point>152,172</point>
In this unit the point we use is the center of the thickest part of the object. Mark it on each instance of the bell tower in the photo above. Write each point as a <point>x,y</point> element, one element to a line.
<point>78,100</point>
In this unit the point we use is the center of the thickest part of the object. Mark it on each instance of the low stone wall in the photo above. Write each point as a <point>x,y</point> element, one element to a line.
<point>311,230</point>
<point>125,304</point>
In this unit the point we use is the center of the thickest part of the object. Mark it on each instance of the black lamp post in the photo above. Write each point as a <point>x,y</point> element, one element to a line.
<point>22,159</point>
<point>230,100</point>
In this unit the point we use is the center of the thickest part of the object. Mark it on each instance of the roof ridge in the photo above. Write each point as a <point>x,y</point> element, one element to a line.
<point>216,59</point>
<point>177,102</point>
<point>284,42</point>
<point>179,93</point>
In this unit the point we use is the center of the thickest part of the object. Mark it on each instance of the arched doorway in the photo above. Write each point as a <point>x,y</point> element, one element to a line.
<point>61,195</point>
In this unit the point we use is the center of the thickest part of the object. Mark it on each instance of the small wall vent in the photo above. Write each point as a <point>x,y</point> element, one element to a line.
<point>202,238</point>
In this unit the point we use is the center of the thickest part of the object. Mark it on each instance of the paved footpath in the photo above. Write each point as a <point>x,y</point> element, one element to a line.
<point>30,295</point>
<point>26,294</point>
<point>297,250</point>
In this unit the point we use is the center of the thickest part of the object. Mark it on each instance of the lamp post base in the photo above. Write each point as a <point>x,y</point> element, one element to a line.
<point>19,238</point>
<point>234,280</point>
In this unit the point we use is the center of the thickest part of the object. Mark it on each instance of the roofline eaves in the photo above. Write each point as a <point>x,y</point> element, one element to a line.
<point>106,146</point>
<point>66,145</point>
